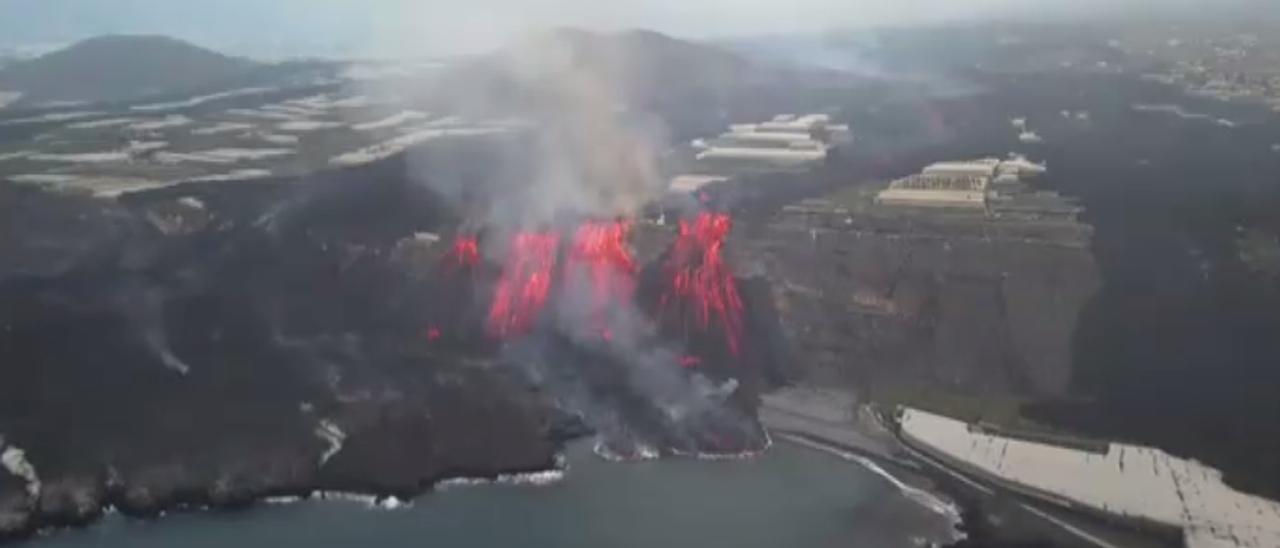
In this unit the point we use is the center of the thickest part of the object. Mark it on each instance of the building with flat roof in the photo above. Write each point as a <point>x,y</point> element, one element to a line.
<point>937,190</point>
<point>787,139</point>
<point>691,183</point>
<point>975,184</point>
<point>985,167</point>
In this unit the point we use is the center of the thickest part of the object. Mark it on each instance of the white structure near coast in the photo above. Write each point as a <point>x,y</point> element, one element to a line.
<point>1132,482</point>
<point>960,184</point>
<point>786,138</point>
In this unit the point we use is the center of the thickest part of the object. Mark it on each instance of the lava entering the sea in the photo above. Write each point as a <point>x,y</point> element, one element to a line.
<point>600,252</point>
<point>701,282</point>
<point>525,284</point>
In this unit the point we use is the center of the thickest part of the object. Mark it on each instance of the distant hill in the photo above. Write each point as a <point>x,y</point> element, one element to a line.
<point>642,68</point>
<point>643,63</point>
<point>112,68</point>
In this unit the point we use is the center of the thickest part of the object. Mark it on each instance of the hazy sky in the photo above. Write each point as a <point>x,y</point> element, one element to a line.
<point>433,27</point>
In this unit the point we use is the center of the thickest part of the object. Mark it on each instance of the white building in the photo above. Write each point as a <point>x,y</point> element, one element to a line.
<point>985,167</point>
<point>935,190</point>
<point>793,153</point>
<point>691,183</point>
<point>964,184</point>
<point>786,138</point>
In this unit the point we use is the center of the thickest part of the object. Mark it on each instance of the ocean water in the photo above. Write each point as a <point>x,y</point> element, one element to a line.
<point>791,496</point>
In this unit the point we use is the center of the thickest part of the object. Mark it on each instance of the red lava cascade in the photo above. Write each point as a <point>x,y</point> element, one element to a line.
<point>600,251</point>
<point>525,284</point>
<point>465,252</point>
<point>701,282</point>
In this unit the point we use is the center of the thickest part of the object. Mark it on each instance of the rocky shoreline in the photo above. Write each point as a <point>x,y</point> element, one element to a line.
<point>17,523</point>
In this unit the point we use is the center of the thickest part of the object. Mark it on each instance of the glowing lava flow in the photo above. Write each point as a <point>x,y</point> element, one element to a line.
<point>700,279</point>
<point>525,283</point>
<point>465,252</point>
<point>600,251</point>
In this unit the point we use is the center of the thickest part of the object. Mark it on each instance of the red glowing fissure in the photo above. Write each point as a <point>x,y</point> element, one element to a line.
<point>464,254</point>
<point>600,252</point>
<point>701,282</point>
<point>525,284</point>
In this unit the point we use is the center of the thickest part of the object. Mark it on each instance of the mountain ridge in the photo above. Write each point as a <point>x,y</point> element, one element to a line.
<point>120,68</point>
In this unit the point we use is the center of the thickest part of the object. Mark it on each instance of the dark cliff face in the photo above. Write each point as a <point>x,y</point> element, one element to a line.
<point>876,306</point>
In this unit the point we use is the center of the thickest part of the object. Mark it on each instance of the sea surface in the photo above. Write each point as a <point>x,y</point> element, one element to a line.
<point>790,496</point>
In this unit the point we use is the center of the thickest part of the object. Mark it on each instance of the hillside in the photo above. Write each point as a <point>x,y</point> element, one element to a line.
<point>642,68</point>
<point>112,68</point>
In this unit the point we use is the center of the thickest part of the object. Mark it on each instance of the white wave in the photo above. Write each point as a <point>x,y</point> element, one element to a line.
<point>641,452</point>
<point>368,500</point>
<point>52,117</point>
<point>204,99</point>
<point>278,139</point>
<point>44,178</point>
<point>924,498</point>
<point>224,155</point>
<point>236,175</point>
<point>222,127</point>
<point>83,157</point>
<point>393,503</point>
<point>123,155</point>
<point>138,147</point>
<point>307,125</point>
<point>394,120</point>
<point>107,122</point>
<point>251,113</point>
<point>176,120</point>
<point>537,479</point>
<point>318,102</point>
<point>17,155</point>
<point>281,501</point>
<point>326,102</point>
<point>372,502</point>
<point>296,111</point>
<point>61,104</point>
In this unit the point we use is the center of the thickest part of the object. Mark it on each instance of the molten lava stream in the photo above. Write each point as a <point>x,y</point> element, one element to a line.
<point>701,282</point>
<point>522,290</point>
<point>465,253</point>
<point>600,251</point>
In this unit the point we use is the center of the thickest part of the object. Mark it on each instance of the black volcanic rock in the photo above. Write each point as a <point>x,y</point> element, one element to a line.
<point>15,506</point>
<point>275,341</point>
<point>114,68</point>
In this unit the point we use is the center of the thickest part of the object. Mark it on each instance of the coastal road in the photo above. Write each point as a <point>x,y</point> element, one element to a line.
<point>834,421</point>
